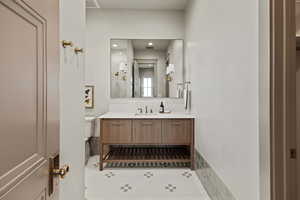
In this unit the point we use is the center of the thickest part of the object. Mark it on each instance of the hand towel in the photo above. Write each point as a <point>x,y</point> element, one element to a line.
<point>186,98</point>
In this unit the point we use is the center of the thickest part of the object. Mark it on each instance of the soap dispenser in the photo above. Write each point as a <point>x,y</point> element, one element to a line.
<point>161,108</point>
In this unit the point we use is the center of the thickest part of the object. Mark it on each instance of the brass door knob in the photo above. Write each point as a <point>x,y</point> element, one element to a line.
<point>62,172</point>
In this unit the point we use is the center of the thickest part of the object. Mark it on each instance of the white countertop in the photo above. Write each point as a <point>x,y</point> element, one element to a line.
<point>113,115</point>
<point>89,118</point>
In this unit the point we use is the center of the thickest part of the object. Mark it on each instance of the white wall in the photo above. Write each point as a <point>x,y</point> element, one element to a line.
<point>264,99</point>
<point>72,26</point>
<point>119,86</point>
<point>222,57</point>
<point>106,24</point>
<point>175,51</point>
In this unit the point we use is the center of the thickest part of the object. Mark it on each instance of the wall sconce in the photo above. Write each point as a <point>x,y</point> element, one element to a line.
<point>123,67</point>
<point>121,74</point>
<point>169,78</point>
<point>169,72</point>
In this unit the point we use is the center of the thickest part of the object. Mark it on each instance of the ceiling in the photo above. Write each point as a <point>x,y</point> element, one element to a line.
<point>92,4</point>
<point>121,44</point>
<point>161,45</point>
<point>138,4</point>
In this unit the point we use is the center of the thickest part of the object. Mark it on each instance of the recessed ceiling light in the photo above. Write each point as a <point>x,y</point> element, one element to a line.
<point>115,45</point>
<point>150,44</point>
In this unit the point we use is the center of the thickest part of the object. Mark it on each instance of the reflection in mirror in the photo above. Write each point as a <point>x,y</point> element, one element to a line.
<point>146,68</point>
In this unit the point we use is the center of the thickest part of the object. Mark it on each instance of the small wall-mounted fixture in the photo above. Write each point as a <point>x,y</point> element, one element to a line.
<point>122,73</point>
<point>78,50</point>
<point>66,43</point>
<point>117,74</point>
<point>124,78</point>
<point>123,67</point>
<point>168,77</point>
<point>170,71</point>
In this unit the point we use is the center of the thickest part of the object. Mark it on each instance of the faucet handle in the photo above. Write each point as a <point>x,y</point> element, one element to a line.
<point>140,110</point>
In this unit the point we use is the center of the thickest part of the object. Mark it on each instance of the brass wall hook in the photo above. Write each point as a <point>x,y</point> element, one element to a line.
<point>66,43</point>
<point>78,50</point>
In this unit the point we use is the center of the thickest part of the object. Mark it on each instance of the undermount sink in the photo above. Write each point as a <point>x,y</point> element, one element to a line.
<point>152,114</point>
<point>146,114</point>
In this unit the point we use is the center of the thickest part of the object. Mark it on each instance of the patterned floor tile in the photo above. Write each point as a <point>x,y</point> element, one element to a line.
<point>142,184</point>
<point>109,174</point>
<point>170,188</point>
<point>126,188</point>
<point>96,164</point>
<point>187,174</point>
<point>148,174</point>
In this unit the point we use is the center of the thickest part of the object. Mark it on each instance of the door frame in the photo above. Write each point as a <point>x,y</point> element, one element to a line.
<point>283,100</point>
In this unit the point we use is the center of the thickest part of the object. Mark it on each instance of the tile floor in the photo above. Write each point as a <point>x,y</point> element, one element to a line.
<point>142,184</point>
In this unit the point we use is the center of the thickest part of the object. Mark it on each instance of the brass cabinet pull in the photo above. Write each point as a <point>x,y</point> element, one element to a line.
<point>176,124</point>
<point>78,50</point>
<point>116,124</point>
<point>66,43</point>
<point>62,172</point>
<point>147,123</point>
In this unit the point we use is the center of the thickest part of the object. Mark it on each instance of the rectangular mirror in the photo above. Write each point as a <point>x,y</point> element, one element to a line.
<point>146,68</point>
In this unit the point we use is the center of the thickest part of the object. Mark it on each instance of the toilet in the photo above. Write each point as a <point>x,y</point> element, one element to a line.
<point>89,132</point>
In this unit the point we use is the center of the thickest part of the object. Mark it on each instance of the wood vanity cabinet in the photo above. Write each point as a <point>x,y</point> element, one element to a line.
<point>147,140</point>
<point>117,131</point>
<point>147,132</point>
<point>176,131</point>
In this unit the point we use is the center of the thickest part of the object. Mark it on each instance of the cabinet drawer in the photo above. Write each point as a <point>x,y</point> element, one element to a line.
<point>177,131</point>
<point>147,131</point>
<point>116,131</point>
